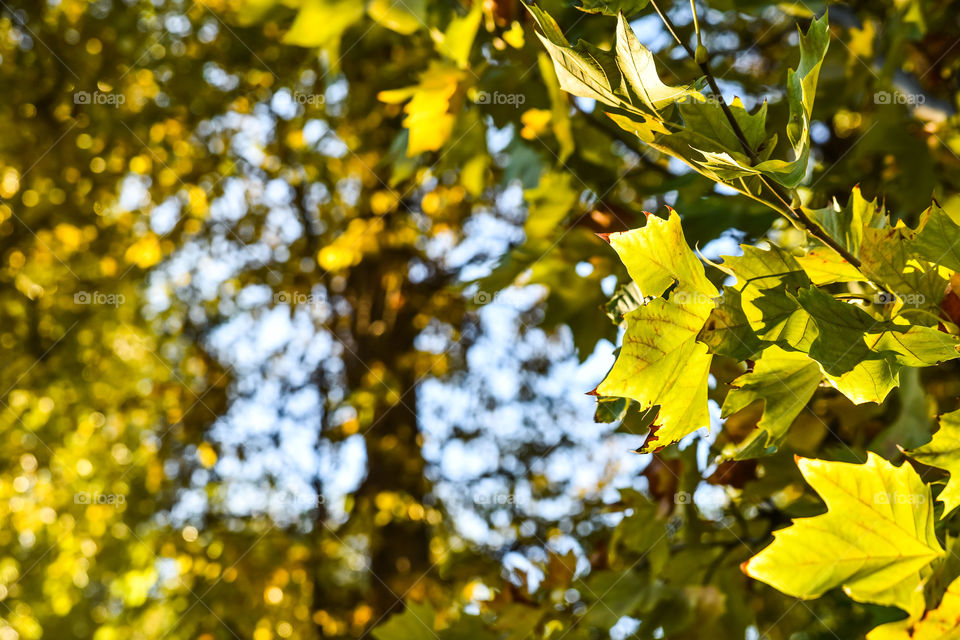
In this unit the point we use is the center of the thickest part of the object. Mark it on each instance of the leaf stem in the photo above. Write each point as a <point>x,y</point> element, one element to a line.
<point>696,23</point>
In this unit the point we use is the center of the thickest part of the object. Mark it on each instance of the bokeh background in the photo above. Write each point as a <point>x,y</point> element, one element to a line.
<point>301,301</point>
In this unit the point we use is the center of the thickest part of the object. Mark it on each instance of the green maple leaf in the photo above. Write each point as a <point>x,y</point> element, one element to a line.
<point>846,224</point>
<point>764,268</point>
<point>862,356</point>
<point>625,79</point>
<point>708,133</point>
<point>874,540</point>
<point>943,451</point>
<point>889,256</point>
<point>708,128</point>
<point>583,70</point>
<point>914,346</point>
<point>868,381</point>
<point>839,345</point>
<point>727,331</point>
<point>784,381</point>
<point>629,84</point>
<point>640,72</point>
<point>801,89</point>
<point>910,262</point>
<point>764,279</point>
<point>858,353</point>
<point>938,238</point>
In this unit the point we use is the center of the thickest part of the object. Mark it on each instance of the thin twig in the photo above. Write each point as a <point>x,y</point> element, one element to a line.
<point>794,214</point>
<point>705,68</point>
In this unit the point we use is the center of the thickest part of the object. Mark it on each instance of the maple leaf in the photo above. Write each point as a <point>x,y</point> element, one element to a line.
<point>657,255</point>
<point>640,72</point>
<point>943,451</point>
<point>874,540</point>
<point>784,381</point>
<point>940,623</point>
<point>661,362</point>
<point>428,120</point>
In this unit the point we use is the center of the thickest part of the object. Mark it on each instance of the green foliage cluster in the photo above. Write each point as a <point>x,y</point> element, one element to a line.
<point>861,300</point>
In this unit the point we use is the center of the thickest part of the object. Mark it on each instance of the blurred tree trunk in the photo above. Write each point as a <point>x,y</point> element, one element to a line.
<point>379,356</point>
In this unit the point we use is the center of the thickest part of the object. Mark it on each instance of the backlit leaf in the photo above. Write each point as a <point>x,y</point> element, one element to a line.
<point>727,331</point>
<point>784,381</point>
<point>320,23</point>
<point>612,7</point>
<point>943,451</point>
<point>582,70</point>
<point>937,238</point>
<point>941,623</point>
<point>638,69</point>
<point>874,540</point>
<point>657,255</point>
<point>661,363</point>
<point>846,224</point>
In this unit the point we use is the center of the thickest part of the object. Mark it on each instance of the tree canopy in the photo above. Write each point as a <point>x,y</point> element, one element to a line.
<point>301,299</point>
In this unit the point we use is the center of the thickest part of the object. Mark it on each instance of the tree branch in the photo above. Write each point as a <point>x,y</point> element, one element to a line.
<point>794,214</point>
